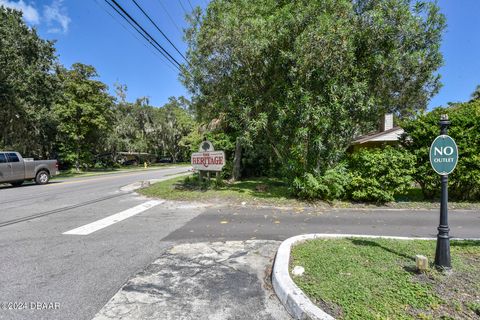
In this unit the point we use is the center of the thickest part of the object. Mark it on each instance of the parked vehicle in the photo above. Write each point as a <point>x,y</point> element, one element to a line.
<point>15,169</point>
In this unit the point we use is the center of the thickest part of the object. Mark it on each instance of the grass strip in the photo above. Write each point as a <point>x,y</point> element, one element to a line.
<point>268,191</point>
<point>376,279</point>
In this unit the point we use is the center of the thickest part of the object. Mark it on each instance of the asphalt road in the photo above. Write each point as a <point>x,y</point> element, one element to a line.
<point>250,223</point>
<point>76,275</point>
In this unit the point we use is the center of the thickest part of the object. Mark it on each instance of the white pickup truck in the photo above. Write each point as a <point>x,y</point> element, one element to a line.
<point>15,170</point>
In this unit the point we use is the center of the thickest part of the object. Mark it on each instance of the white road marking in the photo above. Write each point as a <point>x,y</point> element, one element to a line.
<point>114,218</point>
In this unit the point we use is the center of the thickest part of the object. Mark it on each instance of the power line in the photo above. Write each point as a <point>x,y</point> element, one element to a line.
<point>169,16</point>
<point>163,34</point>
<point>178,65</point>
<point>190,4</point>
<point>181,5</point>
<point>143,35</point>
<point>135,36</point>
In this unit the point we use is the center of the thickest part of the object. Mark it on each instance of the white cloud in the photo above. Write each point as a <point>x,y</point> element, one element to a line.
<point>30,14</point>
<point>56,17</point>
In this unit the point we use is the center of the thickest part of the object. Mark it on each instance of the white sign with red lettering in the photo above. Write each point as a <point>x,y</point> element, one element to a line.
<point>208,160</point>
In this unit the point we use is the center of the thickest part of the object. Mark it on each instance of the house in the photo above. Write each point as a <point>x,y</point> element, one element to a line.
<point>388,134</point>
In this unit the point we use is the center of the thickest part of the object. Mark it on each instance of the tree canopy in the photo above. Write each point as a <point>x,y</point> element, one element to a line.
<point>300,79</point>
<point>50,111</point>
<point>83,112</point>
<point>28,86</point>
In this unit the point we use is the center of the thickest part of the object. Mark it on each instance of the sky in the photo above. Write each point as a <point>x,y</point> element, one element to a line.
<point>89,31</point>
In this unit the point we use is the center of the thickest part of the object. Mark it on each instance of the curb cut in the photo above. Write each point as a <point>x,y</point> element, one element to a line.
<point>292,297</point>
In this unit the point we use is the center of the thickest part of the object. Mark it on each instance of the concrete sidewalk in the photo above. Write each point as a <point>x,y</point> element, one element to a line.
<point>219,280</point>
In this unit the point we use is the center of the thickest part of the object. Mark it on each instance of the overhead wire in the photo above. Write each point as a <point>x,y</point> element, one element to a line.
<point>171,63</point>
<point>134,35</point>
<point>145,34</point>
<point>159,30</point>
<point>169,16</point>
<point>183,8</point>
<point>190,4</point>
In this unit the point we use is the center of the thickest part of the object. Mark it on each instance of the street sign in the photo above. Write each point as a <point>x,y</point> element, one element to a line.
<point>208,161</point>
<point>443,154</point>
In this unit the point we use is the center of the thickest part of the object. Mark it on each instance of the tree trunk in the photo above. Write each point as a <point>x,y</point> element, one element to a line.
<point>173,156</point>
<point>237,160</point>
<point>77,162</point>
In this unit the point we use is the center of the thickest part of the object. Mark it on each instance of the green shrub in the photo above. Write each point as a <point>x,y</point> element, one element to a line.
<point>335,182</point>
<point>330,186</point>
<point>464,182</point>
<point>306,187</point>
<point>193,183</point>
<point>378,174</point>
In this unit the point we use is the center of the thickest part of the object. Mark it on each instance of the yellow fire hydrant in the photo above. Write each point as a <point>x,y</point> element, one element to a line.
<point>145,165</point>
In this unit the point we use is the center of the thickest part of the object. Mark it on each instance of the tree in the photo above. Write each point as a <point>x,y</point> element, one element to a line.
<point>476,94</point>
<point>83,113</point>
<point>464,181</point>
<point>133,124</point>
<point>174,123</point>
<point>28,87</point>
<point>302,78</point>
<point>139,127</point>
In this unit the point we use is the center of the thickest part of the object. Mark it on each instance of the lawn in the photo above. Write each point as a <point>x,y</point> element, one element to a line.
<point>376,279</point>
<point>266,191</point>
<point>271,191</point>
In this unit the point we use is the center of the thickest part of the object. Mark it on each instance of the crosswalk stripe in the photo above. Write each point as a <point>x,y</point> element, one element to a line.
<point>114,218</point>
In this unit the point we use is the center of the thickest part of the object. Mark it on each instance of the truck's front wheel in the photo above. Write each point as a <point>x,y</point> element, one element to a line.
<point>42,177</point>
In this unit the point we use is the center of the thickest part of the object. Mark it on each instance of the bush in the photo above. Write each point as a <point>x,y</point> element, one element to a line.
<point>330,186</point>
<point>464,182</point>
<point>306,187</point>
<point>373,175</point>
<point>379,174</point>
<point>193,183</point>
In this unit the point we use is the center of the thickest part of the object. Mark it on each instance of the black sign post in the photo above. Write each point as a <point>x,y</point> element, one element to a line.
<point>442,254</point>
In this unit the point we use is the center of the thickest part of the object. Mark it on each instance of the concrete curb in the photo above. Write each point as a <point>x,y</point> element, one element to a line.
<point>291,296</point>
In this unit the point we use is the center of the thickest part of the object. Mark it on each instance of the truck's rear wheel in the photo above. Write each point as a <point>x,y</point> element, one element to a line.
<point>17,183</point>
<point>42,177</point>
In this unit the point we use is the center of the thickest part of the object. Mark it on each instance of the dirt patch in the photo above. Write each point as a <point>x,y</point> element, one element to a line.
<point>460,291</point>
<point>331,308</point>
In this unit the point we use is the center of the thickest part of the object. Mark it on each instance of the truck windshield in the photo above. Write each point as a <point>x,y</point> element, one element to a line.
<point>12,157</point>
<point>3,159</point>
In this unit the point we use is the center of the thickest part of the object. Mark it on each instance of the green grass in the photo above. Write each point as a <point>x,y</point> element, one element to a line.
<point>276,193</point>
<point>266,191</point>
<point>376,279</point>
<point>72,173</point>
<point>414,198</point>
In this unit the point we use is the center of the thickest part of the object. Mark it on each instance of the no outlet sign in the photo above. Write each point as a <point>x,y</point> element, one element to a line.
<point>443,154</point>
